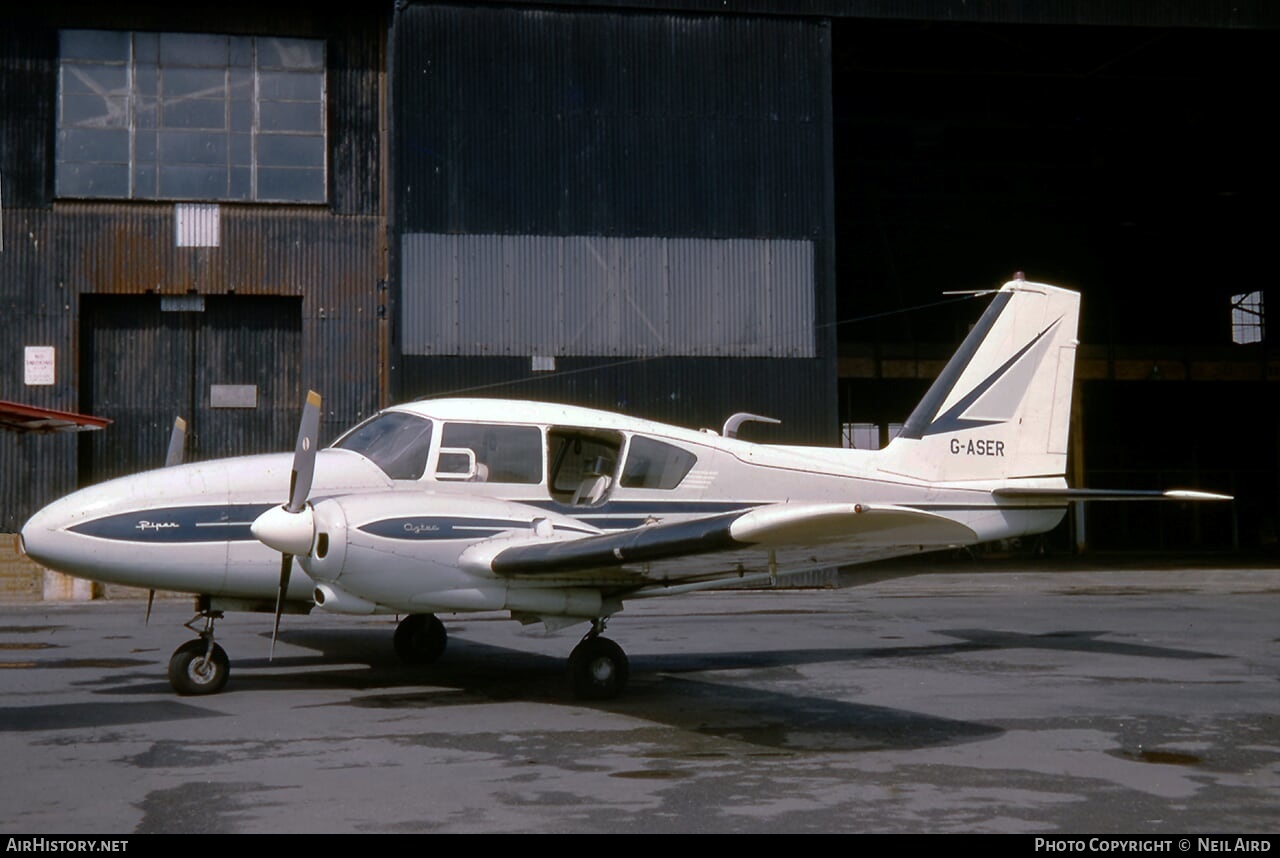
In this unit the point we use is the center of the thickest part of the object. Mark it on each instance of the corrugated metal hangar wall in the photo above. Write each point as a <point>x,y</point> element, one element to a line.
<point>620,209</point>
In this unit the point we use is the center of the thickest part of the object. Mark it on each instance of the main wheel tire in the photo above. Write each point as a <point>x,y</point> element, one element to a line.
<point>598,669</point>
<point>192,672</point>
<point>420,639</point>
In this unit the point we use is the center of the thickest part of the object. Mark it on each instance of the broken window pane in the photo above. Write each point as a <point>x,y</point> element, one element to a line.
<point>1246,318</point>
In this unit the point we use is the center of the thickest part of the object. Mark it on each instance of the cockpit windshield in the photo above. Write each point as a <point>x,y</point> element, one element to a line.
<point>394,441</point>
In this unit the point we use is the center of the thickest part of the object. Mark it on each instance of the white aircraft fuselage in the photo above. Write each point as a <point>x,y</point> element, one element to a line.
<point>187,528</point>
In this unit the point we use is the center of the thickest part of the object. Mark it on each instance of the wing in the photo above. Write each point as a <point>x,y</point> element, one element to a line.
<point>776,539</point>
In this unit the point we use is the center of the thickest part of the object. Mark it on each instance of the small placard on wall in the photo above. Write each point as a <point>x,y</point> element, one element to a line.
<point>38,365</point>
<point>233,396</point>
<point>181,303</point>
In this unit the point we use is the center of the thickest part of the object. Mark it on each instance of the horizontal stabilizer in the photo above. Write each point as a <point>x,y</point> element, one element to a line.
<point>1030,494</point>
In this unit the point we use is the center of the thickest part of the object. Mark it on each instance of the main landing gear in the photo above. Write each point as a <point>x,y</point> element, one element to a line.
<point>420,639</point>
<point>598,667</point>
<point>200,666</point>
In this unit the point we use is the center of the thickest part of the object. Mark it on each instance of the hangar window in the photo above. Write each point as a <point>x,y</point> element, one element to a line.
<point>866,436</point>
<point>1246,318</point>
<point>187,116</point>
<point>860,436</point>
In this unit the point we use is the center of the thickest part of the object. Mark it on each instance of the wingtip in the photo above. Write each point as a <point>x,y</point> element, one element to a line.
<point>1191,495</point>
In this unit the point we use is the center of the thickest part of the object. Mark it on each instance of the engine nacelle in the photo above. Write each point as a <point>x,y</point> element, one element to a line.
<point>403,551</point>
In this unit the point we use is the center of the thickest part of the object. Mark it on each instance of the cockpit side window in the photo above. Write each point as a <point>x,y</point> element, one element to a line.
<point>503,454</point>
<point>396,442</point>
<point>655,465</point>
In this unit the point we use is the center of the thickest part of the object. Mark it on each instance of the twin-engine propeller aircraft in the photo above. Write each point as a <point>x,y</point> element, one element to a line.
<point>561,514</point>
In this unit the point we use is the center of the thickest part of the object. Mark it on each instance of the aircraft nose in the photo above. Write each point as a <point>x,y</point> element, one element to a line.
<point>44,537</point>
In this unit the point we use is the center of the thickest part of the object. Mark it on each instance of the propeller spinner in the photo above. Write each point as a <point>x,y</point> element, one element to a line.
<point>290,529</point>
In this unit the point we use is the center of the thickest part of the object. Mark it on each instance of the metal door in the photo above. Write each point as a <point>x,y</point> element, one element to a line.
<point>229,365</point>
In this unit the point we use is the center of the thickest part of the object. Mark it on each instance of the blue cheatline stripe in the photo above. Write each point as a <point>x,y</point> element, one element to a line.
<point>644,507</point>
<point>446,527</point>
<point>605,522</point>
<point>227,523</point>
<point>231,522</point>
<point>441,527</point>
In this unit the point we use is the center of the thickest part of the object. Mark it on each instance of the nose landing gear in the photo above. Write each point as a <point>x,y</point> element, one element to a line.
<point>200,666</point>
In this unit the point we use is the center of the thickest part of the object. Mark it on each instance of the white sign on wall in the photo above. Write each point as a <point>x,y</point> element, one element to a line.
<point>38,365</point>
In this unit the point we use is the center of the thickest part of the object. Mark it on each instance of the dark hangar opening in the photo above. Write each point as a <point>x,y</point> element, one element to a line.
<point>1134,164</point>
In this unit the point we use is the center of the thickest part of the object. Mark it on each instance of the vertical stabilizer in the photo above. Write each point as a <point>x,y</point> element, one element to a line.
<point>1002,405</point>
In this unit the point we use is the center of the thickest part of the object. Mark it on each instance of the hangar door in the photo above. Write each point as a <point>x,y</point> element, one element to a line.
<point>228,365</point>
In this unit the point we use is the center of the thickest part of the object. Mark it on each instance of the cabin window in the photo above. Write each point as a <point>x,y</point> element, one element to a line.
<point>655,465</point>
<point>396,442</point>
<point>190,116</point>
<point>583,464</point>
<point>498,454</point>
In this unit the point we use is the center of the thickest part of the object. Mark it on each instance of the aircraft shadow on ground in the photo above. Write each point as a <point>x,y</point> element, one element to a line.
<point>667,689</point>
<point>69,716</point>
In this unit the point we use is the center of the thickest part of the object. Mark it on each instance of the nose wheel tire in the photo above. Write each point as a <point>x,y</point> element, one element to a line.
<point>199,667</point>
<point>598,669</point>
<point>420,639</point>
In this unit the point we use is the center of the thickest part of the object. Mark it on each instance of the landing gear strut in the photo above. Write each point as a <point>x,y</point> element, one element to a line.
<point>420,639</point>
<point>598,667</point>
<point>200,666</point>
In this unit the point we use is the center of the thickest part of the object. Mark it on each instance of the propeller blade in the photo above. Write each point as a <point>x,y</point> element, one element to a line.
<point>284,528</point>
<point>304,454</point>
<point>151,597</point>
<point>177,443</point>
<point>286,566</point>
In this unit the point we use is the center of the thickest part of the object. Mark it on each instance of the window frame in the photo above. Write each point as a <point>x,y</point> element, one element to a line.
<point>191,117</point>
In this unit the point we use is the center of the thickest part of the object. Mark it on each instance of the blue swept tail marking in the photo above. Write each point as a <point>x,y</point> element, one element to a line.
<point>952,421</point>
